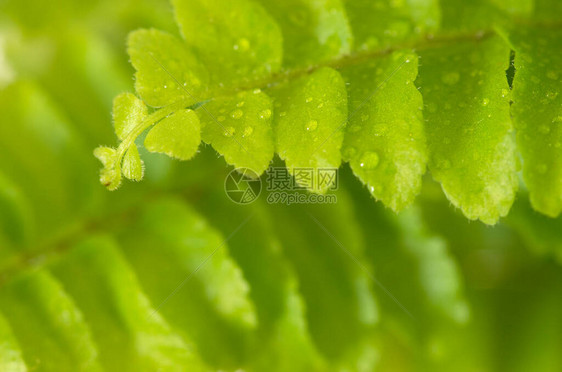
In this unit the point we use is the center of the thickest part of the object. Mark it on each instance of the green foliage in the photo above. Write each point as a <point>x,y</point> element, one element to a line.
<point>469,148</point>
<point>169,275</point>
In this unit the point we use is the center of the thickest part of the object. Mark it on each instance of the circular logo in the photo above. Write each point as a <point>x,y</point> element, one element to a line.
<point>242,185</point>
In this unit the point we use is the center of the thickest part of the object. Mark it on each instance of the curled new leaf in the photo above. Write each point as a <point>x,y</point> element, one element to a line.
<point>110,176</point>
<point>132,164</point>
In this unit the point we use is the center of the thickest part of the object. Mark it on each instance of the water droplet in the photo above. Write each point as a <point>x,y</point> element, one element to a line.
<point>364,117</point>
<point>369,160</point>
<point>311,125</point>
<point>505,93</point>
<point>237,114</point>
<point>265,114</point>
<point>544,129</point>
<point>248,131</point>
<point>165,87</point>
<point>451,78</point>
<point>221,118</point>
<point>551,95</point>
<point>485,102</point>
<point>257,91</point>
<point>308,99</point>
<point>229,131</point>
<point>321,105</point>
<point>240,104</point>
<point>557,119</point>
<point>283,113</point>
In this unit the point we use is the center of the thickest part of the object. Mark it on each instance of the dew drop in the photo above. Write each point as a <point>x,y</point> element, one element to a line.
<point>485,102</point>
<point>248,131</point>
<point>221,118</point>
<point>237,114</point>
<point>321,105</point>
<point>265,114</point>
<point>369,160</point>
<point>505,93</point>
<point>557,119</point>
<point>451,78</point>
<point>364,117</point>
<point>283,113</point>
<point>257,91</point>
<point>240,104</point>
<point>308,99</point>
<point>311,125</point>
<point>229,131</point>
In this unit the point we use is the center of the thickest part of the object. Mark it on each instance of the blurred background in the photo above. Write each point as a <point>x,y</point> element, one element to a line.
<point>427,290</point>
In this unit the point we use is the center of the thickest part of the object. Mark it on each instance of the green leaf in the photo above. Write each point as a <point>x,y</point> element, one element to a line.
<point>239,128</point>
<point>332,275</point>
<point>128,112</point>
<point>313,31</point>
<point>385,140</point>
<point>237,40</point>
<point>41,151</point>
<point>48,325</point>
<point>110,176</point>
<point>541,234</point>
<point>309,123</point>
<point>283,338</point>
<point>130,335</point>
<point>133,167</point>
<point>167,71</point>
<point>438,272</point>
<point>10,353</point>
<point>185,268</point>
<point>16,217</point>
<point>177,135</point>
<point>537,114</point>
<point>469,130</point>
